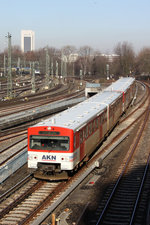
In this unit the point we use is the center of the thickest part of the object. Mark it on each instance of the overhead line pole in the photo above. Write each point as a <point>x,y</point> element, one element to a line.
<point>9,76</point>
<point>33,76</point>
<point>4,65</point>
<point>47,70</point>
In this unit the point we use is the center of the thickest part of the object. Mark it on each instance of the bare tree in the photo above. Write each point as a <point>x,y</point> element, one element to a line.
<point>68,49</point>
<point>86,57</point>
<point>126,57</point>
<point>67,64</point>
<point>143,61</point>
<point>99,64</point>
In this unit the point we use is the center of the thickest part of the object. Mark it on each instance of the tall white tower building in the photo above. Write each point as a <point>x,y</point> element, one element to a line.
<point>27,40</point>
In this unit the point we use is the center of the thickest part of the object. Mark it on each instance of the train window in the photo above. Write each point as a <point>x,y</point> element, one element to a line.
<point>96,123</point>
<point>81,136</point>
<point>93,126</point>
<point>100,120</point>
<point>90,128</point>
<point>59,143</point>
<point>86,132</point>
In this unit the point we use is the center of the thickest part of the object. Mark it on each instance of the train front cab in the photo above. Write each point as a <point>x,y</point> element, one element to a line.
<point>50,149</point>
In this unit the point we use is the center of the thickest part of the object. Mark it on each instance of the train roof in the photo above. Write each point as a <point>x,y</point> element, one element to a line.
<point>121,85</point>
<point>77,116</point>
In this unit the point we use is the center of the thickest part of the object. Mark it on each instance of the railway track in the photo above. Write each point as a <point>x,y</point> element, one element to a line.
<point>21,121</point>
<point>25,205</point>
<point>12,135</point>
<point>32,102</point>
<point>122,205</point>
<point>21,206</point>
<point>72,180</point>
<point>126,199</point>
<point>14,188</point>
<point>65,186</point>
<point>21,124</point>
<point>10,151</point>
<point>21,85</point>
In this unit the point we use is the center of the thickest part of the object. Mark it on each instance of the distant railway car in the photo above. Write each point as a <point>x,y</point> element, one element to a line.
<point>60,144</point>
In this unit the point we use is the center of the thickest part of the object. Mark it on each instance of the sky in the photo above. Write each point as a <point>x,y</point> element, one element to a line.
<point>100,24</point>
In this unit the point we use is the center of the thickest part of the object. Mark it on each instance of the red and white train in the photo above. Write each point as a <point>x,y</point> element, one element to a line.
<point>61,143</point>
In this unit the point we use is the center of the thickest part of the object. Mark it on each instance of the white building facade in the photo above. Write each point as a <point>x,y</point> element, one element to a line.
<point>27,40</point>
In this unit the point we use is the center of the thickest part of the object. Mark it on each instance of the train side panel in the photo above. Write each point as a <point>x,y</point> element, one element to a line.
<point>90,137</point>
<point>92,142</point>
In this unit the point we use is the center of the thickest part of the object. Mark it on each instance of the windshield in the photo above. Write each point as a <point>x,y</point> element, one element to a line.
<point>49,142</point>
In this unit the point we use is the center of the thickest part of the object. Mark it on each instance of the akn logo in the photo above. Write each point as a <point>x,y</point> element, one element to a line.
<point>49,157</point>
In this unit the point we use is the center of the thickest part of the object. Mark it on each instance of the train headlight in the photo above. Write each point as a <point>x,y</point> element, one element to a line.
<point>32,157</point>
<point>35,157</point>
<point>65,158</point>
